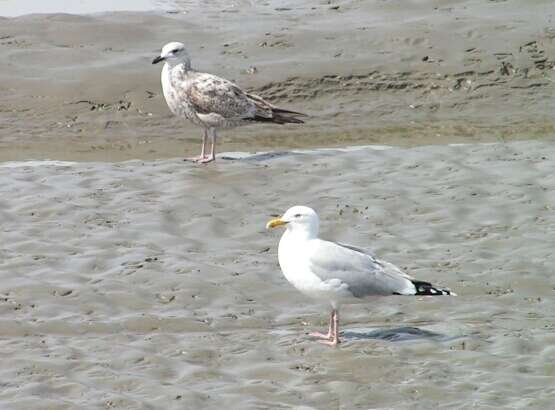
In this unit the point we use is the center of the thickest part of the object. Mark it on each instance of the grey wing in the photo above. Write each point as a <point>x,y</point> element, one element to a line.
<point>388,267</point>
<point>363,274</point>
<point>210,94</point>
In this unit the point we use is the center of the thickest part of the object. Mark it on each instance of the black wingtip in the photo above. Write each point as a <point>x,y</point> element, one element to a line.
<point>276,119</point>
<point>427,289</point>
<point>277,110</point>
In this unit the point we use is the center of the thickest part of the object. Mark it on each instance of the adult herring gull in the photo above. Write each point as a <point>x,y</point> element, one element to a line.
<point>335,272</point>
<point>212,102</point>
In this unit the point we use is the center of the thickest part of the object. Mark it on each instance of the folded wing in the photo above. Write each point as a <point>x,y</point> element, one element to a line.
<point>364,274</point>
<point>210,95</point>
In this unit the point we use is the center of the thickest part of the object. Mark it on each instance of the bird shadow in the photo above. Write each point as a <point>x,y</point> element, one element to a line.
<point>263,156</point>
<point>400,334</point>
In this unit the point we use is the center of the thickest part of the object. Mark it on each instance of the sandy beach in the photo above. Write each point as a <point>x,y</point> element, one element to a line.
<point>134,280</point>
<point>153,284</point>
<point>79,87</point>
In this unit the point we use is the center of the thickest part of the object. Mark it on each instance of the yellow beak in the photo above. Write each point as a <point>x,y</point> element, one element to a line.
<point>275,223</point>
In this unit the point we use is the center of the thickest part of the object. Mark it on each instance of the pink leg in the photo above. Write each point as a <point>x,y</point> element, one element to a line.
<point>334,340</point>
<point>212,156</point>
<point>202,155</point>
<point>330,330</point>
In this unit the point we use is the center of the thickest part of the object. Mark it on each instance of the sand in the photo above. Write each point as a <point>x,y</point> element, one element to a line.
<point>134,280</point>
<point>81,87</point>
<point>153,284</point>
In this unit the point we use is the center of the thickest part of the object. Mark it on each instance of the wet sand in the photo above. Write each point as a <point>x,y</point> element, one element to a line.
<point>153,284</point>
<point>82,87</point>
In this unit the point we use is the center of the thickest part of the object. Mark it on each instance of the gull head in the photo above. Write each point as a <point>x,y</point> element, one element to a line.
<point>173,53</point>
<point>298,219</point>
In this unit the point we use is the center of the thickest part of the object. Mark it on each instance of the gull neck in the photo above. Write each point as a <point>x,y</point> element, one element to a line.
<point>186,64</point>
<point>301,232</point>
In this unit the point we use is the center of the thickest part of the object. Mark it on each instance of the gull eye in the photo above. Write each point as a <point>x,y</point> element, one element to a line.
<point>174,51</point>
<point>297,215</point>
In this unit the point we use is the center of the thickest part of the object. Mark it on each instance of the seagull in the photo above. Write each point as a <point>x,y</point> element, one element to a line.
<point>212,102</point>
<point>335,272</point>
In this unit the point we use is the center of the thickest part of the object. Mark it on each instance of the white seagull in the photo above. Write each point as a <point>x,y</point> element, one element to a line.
<point>212,102</point>
<point>337,273</point>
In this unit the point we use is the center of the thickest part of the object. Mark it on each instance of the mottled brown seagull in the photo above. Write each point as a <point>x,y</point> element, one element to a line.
<point>212,102</point>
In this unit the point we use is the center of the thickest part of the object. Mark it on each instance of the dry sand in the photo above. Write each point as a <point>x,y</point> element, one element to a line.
<point>373,72</point>
<point>153,284</point>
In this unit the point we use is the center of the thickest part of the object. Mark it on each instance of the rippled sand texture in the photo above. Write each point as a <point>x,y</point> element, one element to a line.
<point>143,285</point>
<point>367,72</point>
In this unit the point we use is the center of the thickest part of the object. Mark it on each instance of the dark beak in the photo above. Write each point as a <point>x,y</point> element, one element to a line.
<point>157,60</point>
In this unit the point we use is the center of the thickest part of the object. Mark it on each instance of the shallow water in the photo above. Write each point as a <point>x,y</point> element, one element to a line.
<point>153,284</point>
<point>12,8</point>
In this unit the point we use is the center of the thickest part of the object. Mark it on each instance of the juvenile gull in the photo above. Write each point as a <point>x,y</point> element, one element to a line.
<point>335,272</point>
<point>212,102</point>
